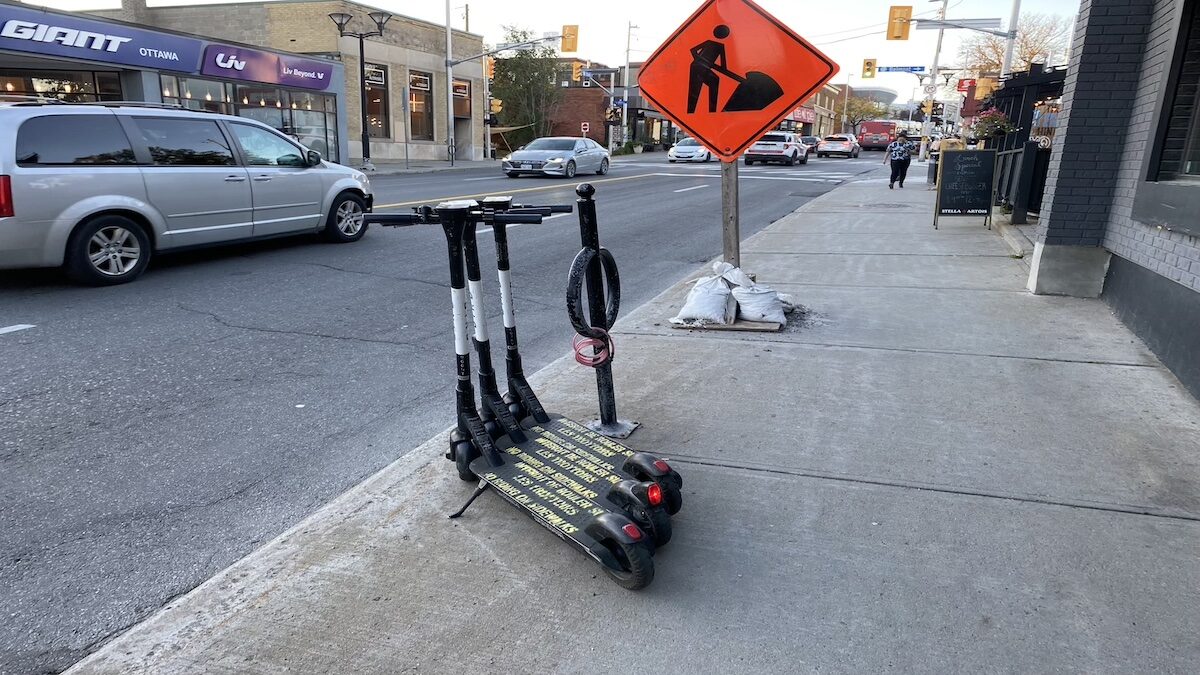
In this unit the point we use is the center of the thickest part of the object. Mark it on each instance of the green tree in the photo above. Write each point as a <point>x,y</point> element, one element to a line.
<point>859,110</point>
<point>525,82</point>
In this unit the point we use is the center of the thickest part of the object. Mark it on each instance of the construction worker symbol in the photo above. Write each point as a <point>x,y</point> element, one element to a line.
<point>755,91</point>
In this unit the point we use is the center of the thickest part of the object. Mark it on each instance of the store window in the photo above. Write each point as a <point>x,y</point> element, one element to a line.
<point>56,140</point>
<point>420,105</point>
<point>376,88</point>
<point>184,142</point>
<point>1179,156</point>
<point>66,85</point>
<point>462,98</point>
<point>197,93</point>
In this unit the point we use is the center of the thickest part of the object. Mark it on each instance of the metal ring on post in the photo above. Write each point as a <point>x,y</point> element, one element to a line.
<point>575,280</point>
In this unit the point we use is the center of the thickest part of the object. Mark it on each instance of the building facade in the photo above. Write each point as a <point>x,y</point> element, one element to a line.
<point>408,104</point>
<point>78,58</point>
<point>1120,214</point>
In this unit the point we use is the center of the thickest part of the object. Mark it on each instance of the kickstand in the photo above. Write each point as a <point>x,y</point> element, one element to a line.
<point>483,486</point>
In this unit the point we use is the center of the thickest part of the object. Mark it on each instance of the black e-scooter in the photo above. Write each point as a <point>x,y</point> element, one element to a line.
<point>609,502</point>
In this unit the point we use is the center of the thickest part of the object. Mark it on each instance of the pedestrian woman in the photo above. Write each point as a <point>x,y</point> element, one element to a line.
<point>899,153</point>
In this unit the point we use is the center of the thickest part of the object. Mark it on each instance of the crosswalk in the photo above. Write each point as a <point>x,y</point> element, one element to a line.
<point>800,173</point>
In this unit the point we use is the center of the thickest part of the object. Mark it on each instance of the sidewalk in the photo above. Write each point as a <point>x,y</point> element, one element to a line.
<point>933,471</point>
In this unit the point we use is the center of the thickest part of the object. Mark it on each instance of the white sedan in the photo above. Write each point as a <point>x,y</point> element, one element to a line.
<point>689,150</point>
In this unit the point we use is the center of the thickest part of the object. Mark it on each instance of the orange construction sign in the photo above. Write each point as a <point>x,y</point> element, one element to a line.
<point>730,73</point>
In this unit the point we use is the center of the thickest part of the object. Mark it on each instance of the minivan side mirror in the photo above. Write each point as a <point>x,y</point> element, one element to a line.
<point>314,158</point>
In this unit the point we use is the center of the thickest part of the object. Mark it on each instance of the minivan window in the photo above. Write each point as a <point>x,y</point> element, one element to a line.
<point>56,140</point>
<point>264,148</point>
<point>185,142</point>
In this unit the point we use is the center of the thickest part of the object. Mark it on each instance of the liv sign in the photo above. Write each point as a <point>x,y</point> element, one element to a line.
<point>240,63</point>
<point>40,32</point>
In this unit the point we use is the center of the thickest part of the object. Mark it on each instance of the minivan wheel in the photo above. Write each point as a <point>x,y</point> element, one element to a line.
<point>345,222</point>
<point>107,250</point>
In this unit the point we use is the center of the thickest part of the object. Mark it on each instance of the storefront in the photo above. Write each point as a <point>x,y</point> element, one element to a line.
<point>51,55</point>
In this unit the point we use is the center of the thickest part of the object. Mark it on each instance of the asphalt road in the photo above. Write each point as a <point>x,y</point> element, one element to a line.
<point>153,433</point>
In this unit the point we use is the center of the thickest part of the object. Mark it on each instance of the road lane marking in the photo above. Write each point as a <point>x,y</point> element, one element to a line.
<point>468,180</point>
<point>560,186</point>
<point>16,327</point>
<point>792,178</point>
<point>694,187</point>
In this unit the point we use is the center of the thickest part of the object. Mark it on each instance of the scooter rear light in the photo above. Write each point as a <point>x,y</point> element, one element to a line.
<point>6,201</point>
<point>661,465</point>
<point>654,494</point>
<point>633,531</point>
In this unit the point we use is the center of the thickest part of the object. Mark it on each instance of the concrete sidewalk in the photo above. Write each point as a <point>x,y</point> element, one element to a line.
<point>932,471</point>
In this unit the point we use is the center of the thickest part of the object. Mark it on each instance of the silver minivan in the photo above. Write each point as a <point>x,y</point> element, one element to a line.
<point>97,188</point>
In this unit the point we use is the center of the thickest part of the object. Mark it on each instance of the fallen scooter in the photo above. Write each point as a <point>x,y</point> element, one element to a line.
<point>609,502</point>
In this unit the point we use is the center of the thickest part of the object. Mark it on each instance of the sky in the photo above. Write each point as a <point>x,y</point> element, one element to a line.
<point>847,31</point>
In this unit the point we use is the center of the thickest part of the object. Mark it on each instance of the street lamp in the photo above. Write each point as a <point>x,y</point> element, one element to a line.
<point>342,20</point>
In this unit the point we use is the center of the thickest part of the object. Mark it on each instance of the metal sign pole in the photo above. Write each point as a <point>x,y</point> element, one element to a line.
<point>407,121</point>
<point>730,227</point>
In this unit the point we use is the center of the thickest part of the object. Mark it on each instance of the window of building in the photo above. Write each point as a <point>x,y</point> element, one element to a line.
<point>462,98</point>
<point>420,106</point>
<point>184,142</point>
<point>376,87</point>
<point>66,85</point>
<point>264,148</point>
<point>1179,152</point>
<point>73,139</point>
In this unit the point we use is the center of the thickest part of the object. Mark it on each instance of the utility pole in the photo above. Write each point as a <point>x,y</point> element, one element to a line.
<point>927,125</point>
<point>467,18</point>
<point>449,86</point>
<point>1011,43</point>
<point>625,83</point>
<point>845,101</point>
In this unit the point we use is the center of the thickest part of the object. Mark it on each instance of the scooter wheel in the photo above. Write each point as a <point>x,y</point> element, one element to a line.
<point>672,498</point>
<point>464,452</point>
<point>637,565</point>
<point>658,524</point>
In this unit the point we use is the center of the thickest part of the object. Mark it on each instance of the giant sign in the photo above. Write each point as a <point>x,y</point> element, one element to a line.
<point>39,32</point>
<point>242,63</point>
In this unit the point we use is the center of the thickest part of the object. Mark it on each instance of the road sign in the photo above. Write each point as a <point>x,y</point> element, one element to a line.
<point>584,127</point>
<point>929,89</point>
<point>732,72</point>
<point>965,85</point>
<point>618,101</point>
<point>901,69</point>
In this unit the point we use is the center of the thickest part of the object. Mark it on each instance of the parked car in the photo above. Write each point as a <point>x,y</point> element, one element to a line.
<point>689,150</point>
<point>777,146</point>
<point>99,188</point>
<point>810,143</point>
<point>838,144</point>
<point>557,156</point>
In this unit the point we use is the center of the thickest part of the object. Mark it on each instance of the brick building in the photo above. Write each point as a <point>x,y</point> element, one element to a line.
<point>406,67</point>
<point>579,105</point>
<point>1121,212</point>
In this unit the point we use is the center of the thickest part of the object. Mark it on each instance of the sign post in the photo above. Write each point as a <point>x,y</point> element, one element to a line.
<point>584,128</point>
<point>726,76</point>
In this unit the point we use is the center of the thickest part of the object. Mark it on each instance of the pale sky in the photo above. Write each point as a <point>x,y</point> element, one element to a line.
<point>848,31</point>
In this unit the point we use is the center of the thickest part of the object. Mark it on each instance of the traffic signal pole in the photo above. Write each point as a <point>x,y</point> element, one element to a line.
<point>927,125</point>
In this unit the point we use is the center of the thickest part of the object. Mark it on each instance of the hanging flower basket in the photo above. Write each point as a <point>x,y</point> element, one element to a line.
<point>992,123</point>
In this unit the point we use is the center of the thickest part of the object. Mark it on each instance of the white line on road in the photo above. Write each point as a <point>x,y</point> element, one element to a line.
<point>694,187</point>
<point>468,180</point>
<point>16,327</point>
<point>700,175</point>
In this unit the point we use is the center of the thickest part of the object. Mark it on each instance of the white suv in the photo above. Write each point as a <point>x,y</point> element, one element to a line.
<point>778,146</point>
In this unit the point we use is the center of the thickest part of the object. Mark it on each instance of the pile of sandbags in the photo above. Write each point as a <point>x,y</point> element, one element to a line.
<point>730,294</point>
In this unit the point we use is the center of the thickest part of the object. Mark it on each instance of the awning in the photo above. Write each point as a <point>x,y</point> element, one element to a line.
<point>504,130</point>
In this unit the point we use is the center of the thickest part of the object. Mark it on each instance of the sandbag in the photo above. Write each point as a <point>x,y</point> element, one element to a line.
<point>759,303</point>
<point>709,301</point>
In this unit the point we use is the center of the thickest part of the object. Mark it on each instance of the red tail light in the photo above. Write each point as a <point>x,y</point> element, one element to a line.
<point>654,494</point>
<point>662,465</point>
<point>6,200</point>
<point>633,531</point>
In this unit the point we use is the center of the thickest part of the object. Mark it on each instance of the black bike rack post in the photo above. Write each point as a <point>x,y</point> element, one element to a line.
<point>600,267</point>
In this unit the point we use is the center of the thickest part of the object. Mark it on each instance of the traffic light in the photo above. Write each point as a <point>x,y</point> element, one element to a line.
<point>496,106</point>
<point>570,39</point>
<point>577,71</point>
<point>939,108</point>
<point>868,69</point>
<point>899,21</point>
<point>489,67</point>
<point>927,107</point>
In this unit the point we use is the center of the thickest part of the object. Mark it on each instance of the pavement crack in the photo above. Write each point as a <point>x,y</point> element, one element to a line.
<point>280,331</point>
<point>377,275</point>
<point>1125,509</point>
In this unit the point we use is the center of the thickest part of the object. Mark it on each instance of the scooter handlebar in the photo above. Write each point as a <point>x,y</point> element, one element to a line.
<point>517,218</point>
<point>553,208</point>
<point>393,219</point>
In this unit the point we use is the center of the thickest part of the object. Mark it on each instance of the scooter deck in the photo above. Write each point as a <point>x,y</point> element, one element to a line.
<point>561,478</point>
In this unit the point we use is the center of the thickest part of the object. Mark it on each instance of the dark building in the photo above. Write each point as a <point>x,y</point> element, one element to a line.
<point>1121,215</point>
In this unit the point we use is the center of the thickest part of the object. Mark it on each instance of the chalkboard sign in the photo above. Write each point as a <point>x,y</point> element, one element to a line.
<point>966,184</point>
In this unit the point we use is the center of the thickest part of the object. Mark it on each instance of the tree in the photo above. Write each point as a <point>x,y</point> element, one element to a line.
<point>1040,38</point>
<point>525,82</point>
<point>859,110</point>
